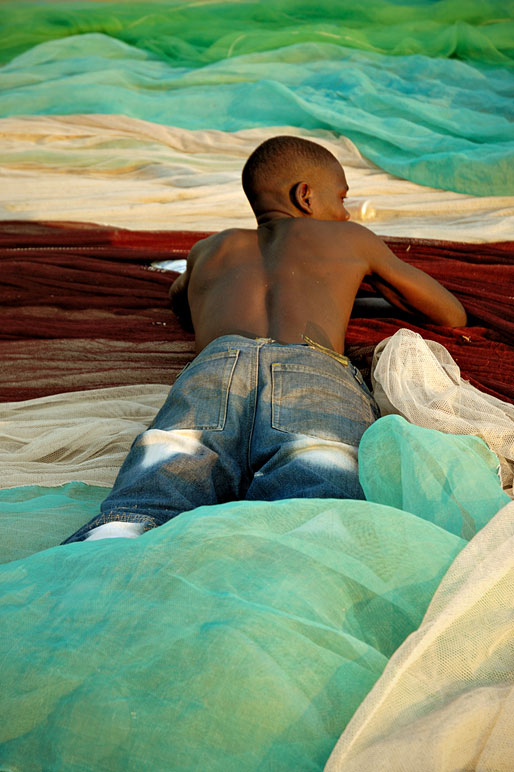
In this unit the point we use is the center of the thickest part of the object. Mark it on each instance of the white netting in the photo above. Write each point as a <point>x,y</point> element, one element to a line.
<point>81,435</point>
<point>117,170</point>
<point>445,701</point>
<point>419,380</point>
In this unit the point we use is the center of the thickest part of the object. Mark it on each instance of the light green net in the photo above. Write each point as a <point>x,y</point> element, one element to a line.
<point>241,636</point>
<point>415,469</point>
<point>438,122</point>
<point>34,518</point>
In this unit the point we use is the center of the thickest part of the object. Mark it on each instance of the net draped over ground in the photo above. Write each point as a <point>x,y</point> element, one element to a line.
<point>457,138</point>
<point>239,635</point>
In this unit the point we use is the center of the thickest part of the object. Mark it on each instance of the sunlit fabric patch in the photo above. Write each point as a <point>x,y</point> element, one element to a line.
<point>121,171</point>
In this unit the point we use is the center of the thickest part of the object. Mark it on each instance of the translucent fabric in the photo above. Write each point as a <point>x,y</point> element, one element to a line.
<point>446,698</point>
<point>34,517</point>
<point>395,450</point>
<point>115,170</point>
<point>240,636</point>
<point>457,137</point>
<point>193,34</point>
<point>80,435</point>
<point>419,380</point>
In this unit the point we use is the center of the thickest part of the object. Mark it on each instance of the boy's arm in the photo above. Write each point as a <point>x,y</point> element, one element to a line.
<point>179,302</point>
<point>178,295</point>
<point>409,288</point>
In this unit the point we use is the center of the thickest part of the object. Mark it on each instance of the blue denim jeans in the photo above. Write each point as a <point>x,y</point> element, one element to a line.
<point>246,419</point>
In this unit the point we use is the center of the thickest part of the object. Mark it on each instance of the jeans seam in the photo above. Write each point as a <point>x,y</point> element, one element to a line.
<point>222,415</point>
<point>255,380</point>
<point>231,358</point>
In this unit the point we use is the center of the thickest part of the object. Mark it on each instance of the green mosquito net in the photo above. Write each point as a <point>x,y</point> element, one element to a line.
<point>239,636</point>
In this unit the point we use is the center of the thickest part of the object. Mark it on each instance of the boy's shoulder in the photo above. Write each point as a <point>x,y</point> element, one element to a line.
<point>348,230</point>
<point>229,234</point>
<point>354,229</point>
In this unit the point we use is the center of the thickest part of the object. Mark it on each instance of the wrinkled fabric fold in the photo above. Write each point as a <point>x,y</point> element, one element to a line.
<point>447,694</point>
<point>420,381</point>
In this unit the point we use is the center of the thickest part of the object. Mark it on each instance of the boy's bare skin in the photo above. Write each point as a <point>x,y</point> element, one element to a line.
<point>298,273</point>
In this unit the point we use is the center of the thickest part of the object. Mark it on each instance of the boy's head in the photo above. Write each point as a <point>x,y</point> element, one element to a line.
<point>296,177</point>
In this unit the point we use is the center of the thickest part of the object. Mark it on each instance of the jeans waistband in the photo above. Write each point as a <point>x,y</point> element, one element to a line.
<point>241,341</point>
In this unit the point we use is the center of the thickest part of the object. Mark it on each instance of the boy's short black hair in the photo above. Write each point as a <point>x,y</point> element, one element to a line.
<point>278,156</point>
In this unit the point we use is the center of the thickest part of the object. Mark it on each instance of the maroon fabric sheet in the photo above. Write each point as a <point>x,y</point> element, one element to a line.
<point>82,308</point>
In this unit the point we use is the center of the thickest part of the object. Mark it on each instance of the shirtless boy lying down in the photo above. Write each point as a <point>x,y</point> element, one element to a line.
<point>270,408</point>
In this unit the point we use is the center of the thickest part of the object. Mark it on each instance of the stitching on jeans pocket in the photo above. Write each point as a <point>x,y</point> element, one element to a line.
<point>305,401</point>
<point>200,400</point>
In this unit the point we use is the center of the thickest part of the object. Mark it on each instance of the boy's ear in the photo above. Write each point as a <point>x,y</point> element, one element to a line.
<point>301,195</point>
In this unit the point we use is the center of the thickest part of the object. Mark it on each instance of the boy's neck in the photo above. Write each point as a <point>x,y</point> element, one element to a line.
<point>274,214</point>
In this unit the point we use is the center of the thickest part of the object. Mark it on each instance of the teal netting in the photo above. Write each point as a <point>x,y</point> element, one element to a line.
<point>194,34</point>
<point>241,636</point>
<point>34,518</point>
<point>437,489</point>
<point>439,122</point>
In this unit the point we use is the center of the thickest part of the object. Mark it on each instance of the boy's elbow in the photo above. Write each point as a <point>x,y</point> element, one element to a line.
<point>463,320</point>
<point>457,318</point>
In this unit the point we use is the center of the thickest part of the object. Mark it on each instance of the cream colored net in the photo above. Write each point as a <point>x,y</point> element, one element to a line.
<point>82,435</point>
<point>165,177</point>
<point>419,380</point>
<point>445,701</point>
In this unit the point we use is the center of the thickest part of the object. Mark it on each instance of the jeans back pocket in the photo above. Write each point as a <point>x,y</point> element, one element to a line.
<point>307,401</point>
<point>199,397</point>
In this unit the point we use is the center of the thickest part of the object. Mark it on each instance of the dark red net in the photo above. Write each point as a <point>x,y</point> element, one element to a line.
<point>82,308</point>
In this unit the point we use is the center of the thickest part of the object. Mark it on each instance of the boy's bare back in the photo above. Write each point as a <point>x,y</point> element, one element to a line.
<point>297,274</point>
<point>296,277</point>
<point>288,279</point>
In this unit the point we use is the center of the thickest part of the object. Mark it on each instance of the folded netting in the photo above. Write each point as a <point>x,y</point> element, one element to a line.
<point>446,698</point>
<point>415,469</point>
<point>198,33</point>
<point>81,307</point>
<point>419,380</point>
<point>120,171</point>
<point>457,137</point>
